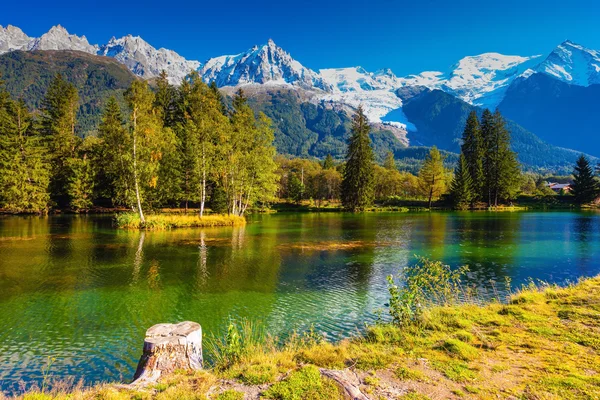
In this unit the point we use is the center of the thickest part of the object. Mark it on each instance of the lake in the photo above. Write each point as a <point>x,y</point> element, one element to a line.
<point>77,295</point>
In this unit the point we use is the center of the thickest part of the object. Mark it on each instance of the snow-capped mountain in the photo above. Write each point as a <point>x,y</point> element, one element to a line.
<point>573,64</point>
<point>267,64</point>
<point>374,91</point>
<point>13,38</point>
<point>482,80</point>
<point>57,38</point>
<point>146,61</point>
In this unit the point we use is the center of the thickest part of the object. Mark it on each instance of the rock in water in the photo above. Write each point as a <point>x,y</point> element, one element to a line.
<point>169,347</point>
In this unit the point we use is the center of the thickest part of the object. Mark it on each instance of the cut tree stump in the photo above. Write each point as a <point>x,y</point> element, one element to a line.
<point>169,347</point>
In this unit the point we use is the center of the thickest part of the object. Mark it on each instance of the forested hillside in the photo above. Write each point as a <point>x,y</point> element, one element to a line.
<point>27,76</point>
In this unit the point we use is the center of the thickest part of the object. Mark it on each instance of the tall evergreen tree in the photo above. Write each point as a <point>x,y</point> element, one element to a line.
<point>473,150</point>
<point>358,181</point>
<point>433,176</point>
<point>500,165</point>
<point>461,189</point>
<point>114,158</point>
<point>59,122</point>
<point>328,162</point>
<point>389,162</point>
<point>82,177</point>
<point>585,186</point>
<point>24,170</point>
<point>165,99</point>
<point>219,96</point>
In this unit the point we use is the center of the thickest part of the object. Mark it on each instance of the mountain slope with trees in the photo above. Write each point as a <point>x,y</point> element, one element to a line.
<point>28,75</point>
<point>440,119</point>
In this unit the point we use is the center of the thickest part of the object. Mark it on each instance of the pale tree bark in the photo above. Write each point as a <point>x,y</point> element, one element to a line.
<point>135,171</point>
<point>169,348</point>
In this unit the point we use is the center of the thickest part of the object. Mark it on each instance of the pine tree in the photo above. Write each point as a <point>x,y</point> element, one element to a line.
<point>59,121</point>
<point>24,170</point>
<point>219,96</point>
<point>328,162</point>
<point>473,150</point>
<point>390,163</point>
<point>358,181</point>
<point>115,162</point>
<point>586,188</point>
<point>500,165</point>
<point>165,99</point>
<point>433,176</point>
<point>80,187</point>
<point>461,189</point>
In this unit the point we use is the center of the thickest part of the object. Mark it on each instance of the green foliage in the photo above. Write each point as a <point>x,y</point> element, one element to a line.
<point>24,169</point>
<point>81,183</point>
<point>248,166</point>
<point>59,121</point>
<point>358,181</point>
<point>149,142</point>
<point>328,162</point>
<point>425,284</point>
<point>114,161</point>
<point>242,337</point>
<point>473,150</point>
<point>462,188</point>
<point>390,162</point>
<point>500,167</point>
<point>304,384</point>
<point>433,176</point>
<point>230,395</point>
<point>586,187</point>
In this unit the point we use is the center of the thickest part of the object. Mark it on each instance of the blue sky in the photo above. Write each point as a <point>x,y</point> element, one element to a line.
<point>406,36</point>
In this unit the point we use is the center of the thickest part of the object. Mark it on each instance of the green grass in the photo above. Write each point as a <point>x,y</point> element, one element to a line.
<point>305,384</point>
<point>154,222</point>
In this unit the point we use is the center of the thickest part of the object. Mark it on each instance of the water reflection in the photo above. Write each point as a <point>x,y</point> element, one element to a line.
<point>74,288</point>
<point>583,228</point>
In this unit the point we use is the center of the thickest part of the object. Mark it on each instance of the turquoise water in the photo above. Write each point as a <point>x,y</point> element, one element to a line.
<point>76,295</point>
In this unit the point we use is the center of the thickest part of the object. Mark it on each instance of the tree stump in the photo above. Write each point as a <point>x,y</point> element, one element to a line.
<point>169,347</point>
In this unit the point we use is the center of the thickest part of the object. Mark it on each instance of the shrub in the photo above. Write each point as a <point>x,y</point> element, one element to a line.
<point>427,283</point>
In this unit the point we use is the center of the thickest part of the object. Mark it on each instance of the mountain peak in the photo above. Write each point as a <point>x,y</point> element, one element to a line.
<point>146,61</point>
<point>268,64</point>
<point>58,29</point>
<point>572,63</point>
<point>57,38</point>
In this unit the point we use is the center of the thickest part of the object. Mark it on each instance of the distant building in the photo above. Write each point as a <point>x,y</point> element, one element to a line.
<point>560,187</point>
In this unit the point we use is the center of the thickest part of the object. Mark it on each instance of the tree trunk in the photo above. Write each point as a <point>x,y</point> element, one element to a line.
<point>135,175</point>
<point>167,348</point>
<point>347,381</point>
<point>203,199</point>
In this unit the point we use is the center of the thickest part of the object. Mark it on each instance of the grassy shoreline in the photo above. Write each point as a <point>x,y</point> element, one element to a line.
<point>132,220</point>
<point>544,343</point>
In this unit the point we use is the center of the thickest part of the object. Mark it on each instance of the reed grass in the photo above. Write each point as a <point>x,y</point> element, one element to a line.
<point>131,220</point>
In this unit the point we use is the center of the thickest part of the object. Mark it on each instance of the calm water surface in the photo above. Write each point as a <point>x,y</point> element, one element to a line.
<point>75,290</point>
